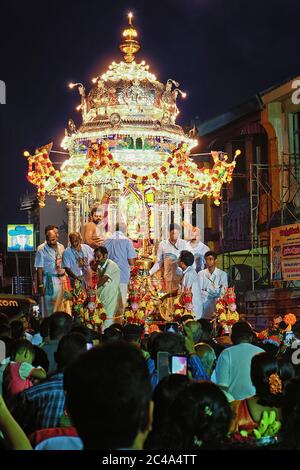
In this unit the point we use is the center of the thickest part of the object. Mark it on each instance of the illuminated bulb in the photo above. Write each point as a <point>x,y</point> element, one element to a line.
<point>26,153</point>
<point>71,85</point>
<point>183,95</point>
<point>94,80</point>
<point>78,107</point>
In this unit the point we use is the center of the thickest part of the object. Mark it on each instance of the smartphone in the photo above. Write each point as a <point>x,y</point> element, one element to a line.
<point>89,346</point>
<point>289,338</point>
<point>179,365</point>
<point>163,365</point>
<point>172,327</point>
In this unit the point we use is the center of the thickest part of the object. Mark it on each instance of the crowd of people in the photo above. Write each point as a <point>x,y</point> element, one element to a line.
<point>68,386</point>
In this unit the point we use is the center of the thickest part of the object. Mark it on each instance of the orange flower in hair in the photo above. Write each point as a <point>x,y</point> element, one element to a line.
<point>275,384</point>
<point>290,319</point>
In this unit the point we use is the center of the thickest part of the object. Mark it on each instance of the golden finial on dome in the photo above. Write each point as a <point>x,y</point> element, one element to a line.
<point>130,46</point>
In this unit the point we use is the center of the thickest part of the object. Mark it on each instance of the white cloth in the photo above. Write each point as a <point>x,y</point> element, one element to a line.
<point>123,291</point>
<point>120,250</point>
<point>198,251</point>
<point>37,339</point>
<point>191,280</point>
<point>167,249</point>
<point>61,443</point>
<point>72,259</point>
<point>50,260</point>
<point>25,370</point>
<point>233,370</point>
<point>213,286</point>
<point>42,245</point>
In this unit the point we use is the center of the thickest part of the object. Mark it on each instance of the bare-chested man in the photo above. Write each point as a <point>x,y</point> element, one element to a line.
<point>93,232</point>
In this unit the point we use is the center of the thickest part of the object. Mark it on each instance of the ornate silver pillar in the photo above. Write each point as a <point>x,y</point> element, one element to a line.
<point>71,218</point>
<point>156,231</point>
<point>187,217</point>
<point>77,216</point>
<point>165,217</point>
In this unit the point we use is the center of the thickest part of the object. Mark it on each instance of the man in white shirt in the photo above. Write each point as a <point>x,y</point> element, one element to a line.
<point>50,275</point>
<point>198,248</point>
<point>213,283</point>
<point>190,280</point>
<point>232,372</point>
<point>167,258</point>
<point>120,250</point>
<point>47,229</point>
<point>76,260</point>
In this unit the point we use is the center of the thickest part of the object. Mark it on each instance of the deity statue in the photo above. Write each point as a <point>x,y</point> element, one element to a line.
<point>168,99</point>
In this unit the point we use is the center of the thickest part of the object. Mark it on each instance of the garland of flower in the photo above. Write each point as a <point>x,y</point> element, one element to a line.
<point>99,156</point>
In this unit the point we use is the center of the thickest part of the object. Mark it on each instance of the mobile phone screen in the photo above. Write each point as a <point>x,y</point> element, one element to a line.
<point>179,365</point>
<point>89,346</point>
<point>172,327</point>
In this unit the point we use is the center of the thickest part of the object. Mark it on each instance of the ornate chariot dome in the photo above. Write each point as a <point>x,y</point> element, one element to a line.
<point>131,111</point>
<point>128,139</point>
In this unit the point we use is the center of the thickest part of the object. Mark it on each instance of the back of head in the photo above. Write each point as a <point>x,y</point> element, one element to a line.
<point>5,330</point>
<point>207,356</point>
<point>267,380</point>
<point>164,395</point>
<point>86,332</point>
<point>167,342</point>
<point>44,327</point>
<point>201,417</point>
<point>290,434</point>
<point>206,329</point>
<point>187,257</point>
<point>132,333</point>
<point>108,393</point>
<point>117,326</point>
<point>111,334</point>
<point>17,329</point>
<point>60,325</point>
<point>21,346</point>
<point>241,333</point>
<point>69,347</point>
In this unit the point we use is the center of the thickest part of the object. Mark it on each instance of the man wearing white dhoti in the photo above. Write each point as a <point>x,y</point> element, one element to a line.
<point>213,282</point>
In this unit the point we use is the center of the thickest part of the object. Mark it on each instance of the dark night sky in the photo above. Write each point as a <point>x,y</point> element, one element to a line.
<point>221,51</point>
